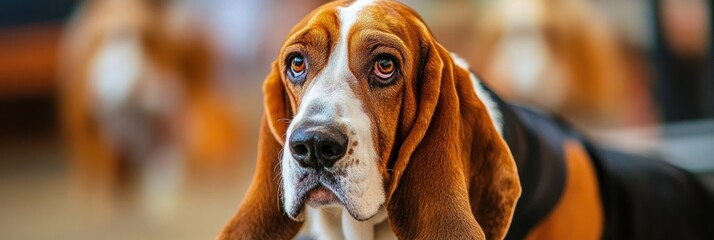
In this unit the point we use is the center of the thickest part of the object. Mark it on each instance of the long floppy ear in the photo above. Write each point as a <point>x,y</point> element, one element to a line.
<point>261,215</point>
<point>494,185</point>
<point>454,177</point>
<point>277,105</point>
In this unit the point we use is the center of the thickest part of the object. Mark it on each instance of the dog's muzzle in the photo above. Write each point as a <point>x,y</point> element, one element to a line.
<point>329,159</point>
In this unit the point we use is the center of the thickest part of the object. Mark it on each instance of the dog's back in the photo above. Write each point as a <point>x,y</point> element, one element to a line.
<point>641,197</point>
<point>647,198</point>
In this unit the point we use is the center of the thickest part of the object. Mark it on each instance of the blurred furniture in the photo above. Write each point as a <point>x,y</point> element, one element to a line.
<point>28,59</point>
<point>687,144</point>
<point>683,63</point>
<point>29,34</point>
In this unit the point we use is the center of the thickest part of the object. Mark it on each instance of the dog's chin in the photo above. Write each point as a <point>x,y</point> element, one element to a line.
<point>361,216</point>
<point>321,197</point>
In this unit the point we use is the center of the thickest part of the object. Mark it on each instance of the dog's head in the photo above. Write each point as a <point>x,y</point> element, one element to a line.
<point>372,111</point>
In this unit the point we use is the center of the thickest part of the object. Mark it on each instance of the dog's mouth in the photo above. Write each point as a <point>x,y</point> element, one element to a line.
<point>315,196</point>
<point>317,193</point>
<point>321,196</point>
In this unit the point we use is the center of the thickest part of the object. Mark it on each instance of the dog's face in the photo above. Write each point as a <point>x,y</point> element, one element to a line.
<point>346,68</point>
<point>363,109</point>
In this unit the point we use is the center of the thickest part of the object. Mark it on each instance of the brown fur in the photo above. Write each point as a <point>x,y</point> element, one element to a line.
<point>579,212</point>
<point>453,167</point>
<point>261,215</point>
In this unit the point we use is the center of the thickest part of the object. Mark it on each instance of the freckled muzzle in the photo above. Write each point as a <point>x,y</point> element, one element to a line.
<point>328,161</point>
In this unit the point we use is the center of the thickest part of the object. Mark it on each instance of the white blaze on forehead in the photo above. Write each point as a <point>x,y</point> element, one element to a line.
<point>332,82</point>
<point>116,69</point>
<point>339,60</point>
<point>483,95</point>
<point>348,15</point>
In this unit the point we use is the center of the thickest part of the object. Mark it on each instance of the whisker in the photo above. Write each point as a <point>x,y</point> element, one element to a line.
<point>280,159</point>
<point>335,212</point>
<point>280,191</point>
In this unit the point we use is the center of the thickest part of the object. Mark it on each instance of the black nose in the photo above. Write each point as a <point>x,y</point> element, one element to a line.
<point>317,146</point>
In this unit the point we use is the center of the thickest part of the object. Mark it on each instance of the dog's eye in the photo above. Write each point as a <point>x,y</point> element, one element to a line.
<point>384,71</point>
<point>297,64</point>
<point>297,68</point>
<point>384,68</point>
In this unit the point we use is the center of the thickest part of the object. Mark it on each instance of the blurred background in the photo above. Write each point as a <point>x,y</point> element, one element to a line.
<point>138,119</point>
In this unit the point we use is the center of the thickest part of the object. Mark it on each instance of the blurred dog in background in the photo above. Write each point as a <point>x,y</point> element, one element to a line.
<point>557,55</point>
<point>554,54</point>
<point>138,104</point>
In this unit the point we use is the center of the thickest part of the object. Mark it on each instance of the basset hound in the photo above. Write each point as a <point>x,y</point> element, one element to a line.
<point>371,123</point>
<point>137,101</point>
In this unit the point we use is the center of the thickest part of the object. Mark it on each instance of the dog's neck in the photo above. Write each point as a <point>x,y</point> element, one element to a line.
<point>336,223</point>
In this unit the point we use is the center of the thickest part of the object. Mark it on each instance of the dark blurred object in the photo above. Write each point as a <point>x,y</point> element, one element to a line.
<point>23,12</point>
<point>685,85</point>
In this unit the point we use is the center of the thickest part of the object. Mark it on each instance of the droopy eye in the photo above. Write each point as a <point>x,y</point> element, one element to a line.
<point>384,71</point>
<point>297,68</point>
<point>384,68</point>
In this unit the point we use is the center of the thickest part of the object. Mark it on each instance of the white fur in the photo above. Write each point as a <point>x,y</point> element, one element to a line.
<point>481,93</point>
<point>354,230</point>
<point>325,223</point>
<point>116,69</point>
<point>330,89</point>
<point>334,223</point>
